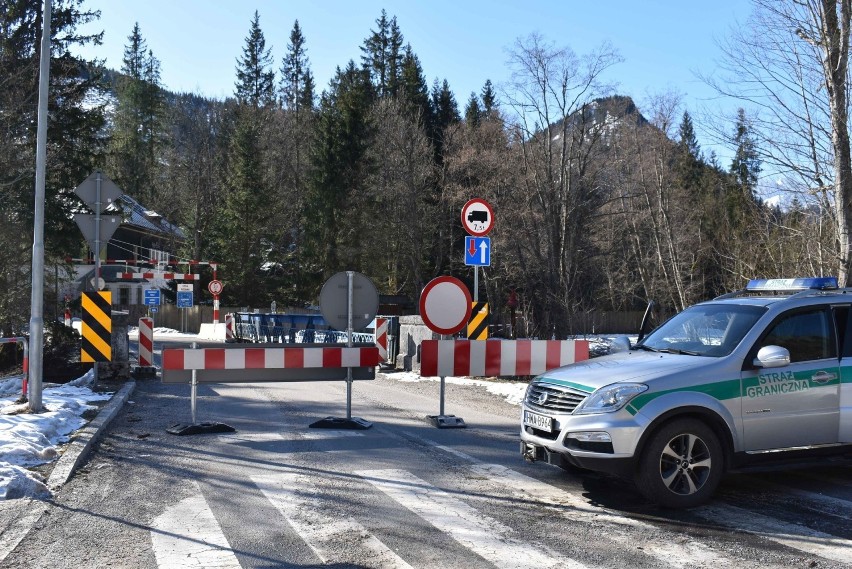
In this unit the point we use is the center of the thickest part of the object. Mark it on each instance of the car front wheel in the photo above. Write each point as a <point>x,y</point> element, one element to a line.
<point>681,465</point>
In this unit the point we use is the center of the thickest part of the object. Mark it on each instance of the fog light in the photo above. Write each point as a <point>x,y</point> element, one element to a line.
<point>590,437</point>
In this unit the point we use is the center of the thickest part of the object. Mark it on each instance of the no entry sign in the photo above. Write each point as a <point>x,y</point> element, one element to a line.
<point>445,305</point>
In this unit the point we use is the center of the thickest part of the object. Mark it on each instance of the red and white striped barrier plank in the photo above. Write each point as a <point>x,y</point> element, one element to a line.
<point>444,358</point>
<point>269,358</point>
<point>382,337</point>
<point>146,342</point>
<point>166,276</point>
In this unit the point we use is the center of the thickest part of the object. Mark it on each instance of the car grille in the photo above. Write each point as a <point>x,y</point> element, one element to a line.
<point>554,398</point>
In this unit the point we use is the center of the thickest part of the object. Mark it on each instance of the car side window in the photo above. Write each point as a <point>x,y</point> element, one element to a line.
<point>807,335</point>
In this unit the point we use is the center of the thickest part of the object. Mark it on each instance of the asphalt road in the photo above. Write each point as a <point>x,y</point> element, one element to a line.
<point>277,493</point>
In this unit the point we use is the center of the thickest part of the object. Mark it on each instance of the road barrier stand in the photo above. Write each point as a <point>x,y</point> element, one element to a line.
<point>268,363</point>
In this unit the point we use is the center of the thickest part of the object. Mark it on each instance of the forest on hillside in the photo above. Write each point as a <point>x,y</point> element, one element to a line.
<point>600,205</point>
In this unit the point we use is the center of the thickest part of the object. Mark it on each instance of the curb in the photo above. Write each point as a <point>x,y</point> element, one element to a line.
<point>86,437</point>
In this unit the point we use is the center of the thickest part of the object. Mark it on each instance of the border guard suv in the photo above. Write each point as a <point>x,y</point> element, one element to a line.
<point>760,374</point>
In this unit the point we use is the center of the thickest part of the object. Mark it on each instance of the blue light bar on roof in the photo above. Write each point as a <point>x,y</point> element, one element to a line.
<point>818,283</point>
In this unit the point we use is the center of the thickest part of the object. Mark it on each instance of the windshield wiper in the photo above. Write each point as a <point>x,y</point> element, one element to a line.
<point>680,352</point>
<point>644,347</point>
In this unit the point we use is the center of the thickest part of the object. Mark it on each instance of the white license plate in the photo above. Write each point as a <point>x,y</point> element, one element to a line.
<point>537,421</point>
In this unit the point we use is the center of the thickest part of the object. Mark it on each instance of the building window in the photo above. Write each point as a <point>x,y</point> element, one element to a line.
<point>124,295</point>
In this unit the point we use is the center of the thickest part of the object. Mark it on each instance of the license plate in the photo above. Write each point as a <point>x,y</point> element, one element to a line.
<point>537,421</point>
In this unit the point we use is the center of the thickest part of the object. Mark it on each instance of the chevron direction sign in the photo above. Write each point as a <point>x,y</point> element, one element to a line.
<point>97,327</point>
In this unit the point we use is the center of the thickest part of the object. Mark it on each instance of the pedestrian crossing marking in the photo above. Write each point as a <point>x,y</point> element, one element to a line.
<point>188,536</point>
<point>294,495</point>
<point>482,534</point>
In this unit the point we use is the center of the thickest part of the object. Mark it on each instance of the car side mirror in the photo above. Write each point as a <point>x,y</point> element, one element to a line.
<point>772,356</point>
<point>619,344</point>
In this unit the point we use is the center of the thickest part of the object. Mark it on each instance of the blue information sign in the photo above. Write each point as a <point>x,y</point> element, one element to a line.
<point>184,299</point>
<point>152,297</point>
<point>477,251</point>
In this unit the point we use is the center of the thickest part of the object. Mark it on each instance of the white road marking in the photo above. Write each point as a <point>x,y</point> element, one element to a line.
<point>295,496</point>
<point>299,435</point>
<point>675,550</point>
<point>187,535</point>
<point>483,535</point>
<point>12,535</point>
<point>795,536</point>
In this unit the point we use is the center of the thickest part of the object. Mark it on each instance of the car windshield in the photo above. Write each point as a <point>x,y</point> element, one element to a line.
<point>703,330</point>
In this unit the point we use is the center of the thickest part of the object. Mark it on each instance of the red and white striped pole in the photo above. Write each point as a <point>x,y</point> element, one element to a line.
<point>146,342</point>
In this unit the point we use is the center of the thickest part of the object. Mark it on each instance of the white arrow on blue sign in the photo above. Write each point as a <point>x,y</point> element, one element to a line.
<point>477,251</point>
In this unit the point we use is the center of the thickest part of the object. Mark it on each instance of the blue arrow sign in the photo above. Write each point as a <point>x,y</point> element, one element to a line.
<point>477,251</point>
<point>152,297</point>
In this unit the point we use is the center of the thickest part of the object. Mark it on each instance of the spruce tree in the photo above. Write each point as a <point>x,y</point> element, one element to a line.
<point>297,83</point>
<point>383,56</point>
<point>473,113</point>
<point>74,140</point>
<point>255,77</point>
<point>446,113</point>
<point>489,98</point>
<point>137,137</point>
<point>339,172</point>
<point>745,166</point>
<point>415,91</point>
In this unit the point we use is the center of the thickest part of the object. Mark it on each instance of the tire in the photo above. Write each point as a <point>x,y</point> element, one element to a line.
<point>682,464</point>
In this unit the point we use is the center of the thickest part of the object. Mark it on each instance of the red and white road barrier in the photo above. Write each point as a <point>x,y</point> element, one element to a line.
<point>68,317</point>
<point>382,337</point>
<point>146,342</point>
<point>26,363</point>
<point>269,358</point>
<point>164,276</point>
<point>229,327</point>
<point>444,358</point>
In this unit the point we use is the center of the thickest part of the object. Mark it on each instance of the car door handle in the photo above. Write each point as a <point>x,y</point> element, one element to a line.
<point>823,377</point>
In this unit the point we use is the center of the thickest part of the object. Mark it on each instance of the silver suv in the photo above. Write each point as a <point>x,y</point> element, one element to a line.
<point>761,374</point>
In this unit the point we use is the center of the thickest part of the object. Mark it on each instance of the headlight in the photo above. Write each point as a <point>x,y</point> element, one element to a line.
<point>610,398</point>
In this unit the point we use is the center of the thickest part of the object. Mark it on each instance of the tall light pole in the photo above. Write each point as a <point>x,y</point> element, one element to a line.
<point>37,297</point>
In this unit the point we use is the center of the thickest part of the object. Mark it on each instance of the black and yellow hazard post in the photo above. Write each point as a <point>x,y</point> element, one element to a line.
<point>97,328</point>
<point>477,326</point>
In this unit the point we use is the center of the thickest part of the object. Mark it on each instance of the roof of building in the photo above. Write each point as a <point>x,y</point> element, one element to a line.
<point>136,214</point>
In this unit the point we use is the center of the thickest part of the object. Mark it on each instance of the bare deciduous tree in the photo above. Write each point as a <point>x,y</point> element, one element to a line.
<point>790,64</point>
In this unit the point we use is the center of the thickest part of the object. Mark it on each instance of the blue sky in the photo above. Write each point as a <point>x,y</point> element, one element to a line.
<point>664,43</point>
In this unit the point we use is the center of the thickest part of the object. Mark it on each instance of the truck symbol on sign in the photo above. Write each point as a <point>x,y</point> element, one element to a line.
<point>477,215</point>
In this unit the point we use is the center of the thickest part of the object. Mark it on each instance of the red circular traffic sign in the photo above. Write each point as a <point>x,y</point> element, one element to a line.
<point>215,287</point>
<point>477,217</point>
<point>445,305</point>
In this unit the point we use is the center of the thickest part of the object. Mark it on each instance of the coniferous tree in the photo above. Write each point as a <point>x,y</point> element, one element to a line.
<point>383,56</point>
<point>489,98</point>
<point>446,113</point>
<point>255,77</point>
<point>473,113</point>
<point>339,172</point>
<point>745,166</point>
<point>415,91</point>
<point>297,82</point>
<point>137,136</point>
<point>74,141</point>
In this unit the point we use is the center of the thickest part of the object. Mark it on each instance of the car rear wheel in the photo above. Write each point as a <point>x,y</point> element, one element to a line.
<point>682,464</point>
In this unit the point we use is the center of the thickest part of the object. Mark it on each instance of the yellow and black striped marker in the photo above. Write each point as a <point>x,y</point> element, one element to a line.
<point>477,326</point>
<point>97,327</point>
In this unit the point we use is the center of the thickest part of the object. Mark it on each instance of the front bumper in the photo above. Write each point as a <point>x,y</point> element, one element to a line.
<point>559,447</point>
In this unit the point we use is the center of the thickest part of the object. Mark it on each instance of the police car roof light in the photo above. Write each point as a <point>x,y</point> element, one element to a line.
<point>792,285</point>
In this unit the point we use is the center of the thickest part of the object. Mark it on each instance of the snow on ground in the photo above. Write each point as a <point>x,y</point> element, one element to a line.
<point>511,391</point>
<point>31,439</point>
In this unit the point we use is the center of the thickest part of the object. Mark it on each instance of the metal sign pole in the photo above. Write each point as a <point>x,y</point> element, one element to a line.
<point>194,388</point>
<point>349,276</point>
<point>475,283</point>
